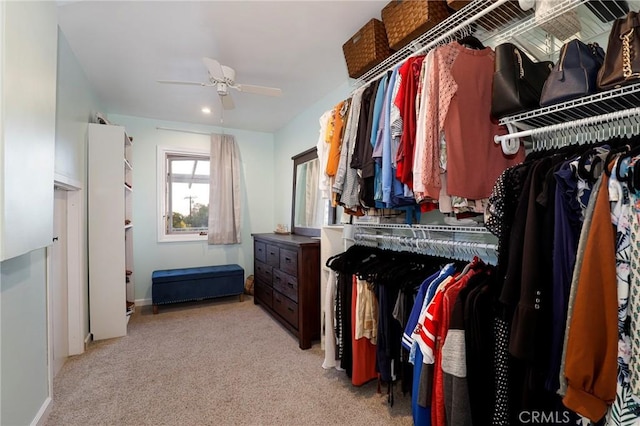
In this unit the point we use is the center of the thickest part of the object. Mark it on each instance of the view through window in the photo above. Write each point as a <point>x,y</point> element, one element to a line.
<point>187,194</point>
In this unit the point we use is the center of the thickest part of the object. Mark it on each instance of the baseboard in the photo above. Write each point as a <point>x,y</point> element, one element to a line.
<point>43,413</point>
<point>143,302</point>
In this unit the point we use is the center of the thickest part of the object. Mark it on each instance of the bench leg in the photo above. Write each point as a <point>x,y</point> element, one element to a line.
<point>155,309</point>
<point>241,297</point>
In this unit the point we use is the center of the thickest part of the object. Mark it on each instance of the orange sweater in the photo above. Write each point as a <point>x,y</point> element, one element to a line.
<point>592,346</point>
<point>333,158</point>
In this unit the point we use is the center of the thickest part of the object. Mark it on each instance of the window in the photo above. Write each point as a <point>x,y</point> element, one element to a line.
<point>183,188</point>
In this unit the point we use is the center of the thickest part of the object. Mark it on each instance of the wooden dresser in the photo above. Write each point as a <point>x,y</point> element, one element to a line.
<point>287,282</point>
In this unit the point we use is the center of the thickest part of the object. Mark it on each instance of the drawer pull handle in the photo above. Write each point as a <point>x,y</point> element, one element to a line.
<point>290,285</point>
<point>287,259</point>
<point>290,308</point>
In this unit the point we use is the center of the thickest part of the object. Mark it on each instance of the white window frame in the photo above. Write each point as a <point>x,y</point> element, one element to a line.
<point>161,181</point>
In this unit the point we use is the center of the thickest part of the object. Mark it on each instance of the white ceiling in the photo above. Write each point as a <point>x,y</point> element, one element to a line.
<point>125,46</point>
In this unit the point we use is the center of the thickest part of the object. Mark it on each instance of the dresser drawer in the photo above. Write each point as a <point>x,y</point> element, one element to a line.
<point>279,280</point>
<point>260,251</point>
<point>263,293</point>
<point>289,261</point>
<point>273,255</point>
<point>286,308</point>
<point>285,284</point>
<point>263,272</point>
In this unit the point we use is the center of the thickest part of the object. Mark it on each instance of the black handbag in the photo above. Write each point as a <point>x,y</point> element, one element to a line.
<point>575,75</point>
<point>517,81</point>
<point>622,61</point>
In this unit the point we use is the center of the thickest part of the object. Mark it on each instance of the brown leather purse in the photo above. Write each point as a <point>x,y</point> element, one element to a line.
<point>622,60</point>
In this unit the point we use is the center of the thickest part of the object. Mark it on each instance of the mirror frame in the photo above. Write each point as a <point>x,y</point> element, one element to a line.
<point>301,158</point>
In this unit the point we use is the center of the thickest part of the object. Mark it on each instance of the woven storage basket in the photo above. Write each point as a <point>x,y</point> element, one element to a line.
<point>366,49</point>
<point>405,20</point>
<point>457,4</point>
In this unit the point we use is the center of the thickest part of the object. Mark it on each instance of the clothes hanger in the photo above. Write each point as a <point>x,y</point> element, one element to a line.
<point>472,42</point>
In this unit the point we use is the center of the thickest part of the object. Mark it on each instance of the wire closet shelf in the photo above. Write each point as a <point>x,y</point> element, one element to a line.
<point>452,242</point>
<point>494,22</point>
<point>499,21</point>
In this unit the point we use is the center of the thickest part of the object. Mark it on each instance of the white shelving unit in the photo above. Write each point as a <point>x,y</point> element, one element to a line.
<point>110,183</point>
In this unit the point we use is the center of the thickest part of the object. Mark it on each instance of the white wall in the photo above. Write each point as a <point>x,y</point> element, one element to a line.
<point>28,34</point>
<point>27,125</point>
<point>257,177</point>
<point>297,136</point>
<point>23,363</point>
<point>76,104</point>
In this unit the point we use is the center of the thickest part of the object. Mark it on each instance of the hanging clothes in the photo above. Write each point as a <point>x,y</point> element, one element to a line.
<point>329,323</point>
<point>364,351</point>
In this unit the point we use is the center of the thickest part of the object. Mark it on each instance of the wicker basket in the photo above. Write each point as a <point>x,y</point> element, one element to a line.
<point>405,20</point>
<point>457,4</point>
<point>366,49</point>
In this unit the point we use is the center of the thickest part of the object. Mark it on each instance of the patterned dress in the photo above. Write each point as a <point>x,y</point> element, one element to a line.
<point>626,407</point>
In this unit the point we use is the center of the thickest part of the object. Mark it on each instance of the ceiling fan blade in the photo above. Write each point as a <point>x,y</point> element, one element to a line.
<point>258,90</point>
<point>187,83</point>
<point>214,68</point>
<point>227,102</point>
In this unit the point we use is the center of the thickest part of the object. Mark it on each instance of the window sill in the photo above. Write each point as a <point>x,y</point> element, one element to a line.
<point>181,238</point>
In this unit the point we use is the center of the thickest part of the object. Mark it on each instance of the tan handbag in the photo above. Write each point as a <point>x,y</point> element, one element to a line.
<point>622,60</point>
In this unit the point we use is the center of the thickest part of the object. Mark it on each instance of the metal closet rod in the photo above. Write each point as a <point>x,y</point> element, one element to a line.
<point>598,119</point>
<point>460,250</point>
<point>398,238</point>
<point>423,227</point>
<point>440,38</point>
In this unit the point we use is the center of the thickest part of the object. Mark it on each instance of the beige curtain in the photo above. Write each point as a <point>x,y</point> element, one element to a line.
<point>224,195</point>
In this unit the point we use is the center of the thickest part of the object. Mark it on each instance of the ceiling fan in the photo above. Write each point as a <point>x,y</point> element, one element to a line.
<point>222,78</point>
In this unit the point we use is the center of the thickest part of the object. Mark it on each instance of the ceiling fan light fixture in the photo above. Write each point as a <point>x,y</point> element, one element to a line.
<point>222,78</point>
<point>222,88</point>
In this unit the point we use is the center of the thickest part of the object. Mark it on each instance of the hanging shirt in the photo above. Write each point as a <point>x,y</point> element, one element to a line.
<point>329,323</point>
<point>322,147</point>
<point>421,125</point>
<point>346,182</point>
<point>366,312</point>
<point>591,357</point>
<point>370,168</point>
<point>364,352</point>
<point>407,98</point>
<point>474,161</point>
<point>634,299</point>
<point>626,405</point>
<point>382,148</point>
<point>339,116</point>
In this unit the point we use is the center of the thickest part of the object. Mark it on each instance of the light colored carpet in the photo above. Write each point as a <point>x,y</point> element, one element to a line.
<point>217,362</point>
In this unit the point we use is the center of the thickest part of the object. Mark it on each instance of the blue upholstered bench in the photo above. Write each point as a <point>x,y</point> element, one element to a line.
<point>183,285</point>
